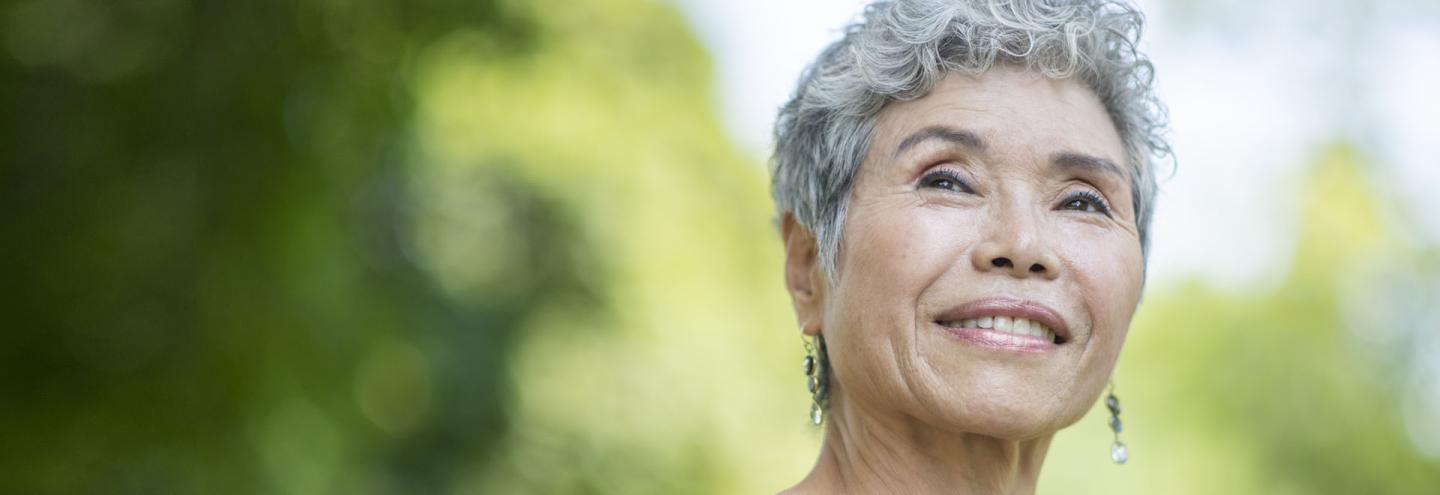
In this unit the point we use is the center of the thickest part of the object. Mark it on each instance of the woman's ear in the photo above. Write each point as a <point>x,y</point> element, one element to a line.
<point>803,276</point>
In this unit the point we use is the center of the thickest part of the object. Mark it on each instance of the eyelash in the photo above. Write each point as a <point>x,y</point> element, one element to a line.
<point>934,178</point>
<point>1094,199</point>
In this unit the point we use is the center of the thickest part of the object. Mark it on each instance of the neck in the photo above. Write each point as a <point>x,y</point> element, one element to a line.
<point>865,453</point>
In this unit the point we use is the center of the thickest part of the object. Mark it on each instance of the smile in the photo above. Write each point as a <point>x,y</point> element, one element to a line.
<point>1005,324</point>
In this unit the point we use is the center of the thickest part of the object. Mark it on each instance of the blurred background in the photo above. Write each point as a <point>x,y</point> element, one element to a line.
<point>496,246</point>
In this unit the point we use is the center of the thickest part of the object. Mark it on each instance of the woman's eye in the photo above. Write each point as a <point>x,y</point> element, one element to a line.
<point>1087,202</point>
<point>947,180</point>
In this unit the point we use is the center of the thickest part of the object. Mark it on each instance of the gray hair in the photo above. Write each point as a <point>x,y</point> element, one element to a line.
<point>900,49</point>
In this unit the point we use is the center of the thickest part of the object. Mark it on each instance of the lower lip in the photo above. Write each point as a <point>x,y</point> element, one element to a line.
<point>994,339</point>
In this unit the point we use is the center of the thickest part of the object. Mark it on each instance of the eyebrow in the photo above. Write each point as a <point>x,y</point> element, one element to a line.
<point>1072,160</point>
<point>969,139</point>
<point>948,134</point>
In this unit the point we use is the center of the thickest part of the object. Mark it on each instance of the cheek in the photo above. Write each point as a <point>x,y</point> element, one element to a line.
<point>891,253</point>
<point>894,251</point>
<point>1109,270</point>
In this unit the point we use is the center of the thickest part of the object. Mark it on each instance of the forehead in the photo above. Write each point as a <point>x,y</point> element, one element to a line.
<point>1015,111</point>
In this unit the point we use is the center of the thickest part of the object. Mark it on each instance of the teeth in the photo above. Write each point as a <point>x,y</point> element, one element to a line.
<point>1003,323</point>
<point>1007,324</point>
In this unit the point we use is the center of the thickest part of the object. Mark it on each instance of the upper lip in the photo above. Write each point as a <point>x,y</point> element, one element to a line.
<point>1013,308</point>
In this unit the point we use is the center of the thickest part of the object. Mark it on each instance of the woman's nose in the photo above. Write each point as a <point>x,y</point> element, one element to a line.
<point>1014,245</point>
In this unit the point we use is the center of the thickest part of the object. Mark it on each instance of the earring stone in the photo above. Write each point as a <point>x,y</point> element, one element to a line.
<point>1118,453</point>
<point>814,367</point>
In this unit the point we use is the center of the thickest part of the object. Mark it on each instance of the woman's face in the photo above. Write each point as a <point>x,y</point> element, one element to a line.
<point>1000,200</point>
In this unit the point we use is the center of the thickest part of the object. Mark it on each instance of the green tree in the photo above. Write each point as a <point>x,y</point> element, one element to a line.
<point>211,285</point>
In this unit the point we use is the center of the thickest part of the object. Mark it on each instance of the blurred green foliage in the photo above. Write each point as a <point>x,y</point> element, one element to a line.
<point>209,288</point>
<point>492,246</point>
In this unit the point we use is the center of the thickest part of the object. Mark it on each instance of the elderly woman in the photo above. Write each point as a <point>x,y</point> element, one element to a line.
<point>965,189</point>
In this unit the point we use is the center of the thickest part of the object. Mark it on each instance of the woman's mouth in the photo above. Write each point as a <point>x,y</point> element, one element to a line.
<point>1002,332</point>
<point>1004,324</point>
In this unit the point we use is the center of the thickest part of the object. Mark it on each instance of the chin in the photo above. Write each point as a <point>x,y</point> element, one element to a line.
<point>1019,414</point>
<point>1012,420</point>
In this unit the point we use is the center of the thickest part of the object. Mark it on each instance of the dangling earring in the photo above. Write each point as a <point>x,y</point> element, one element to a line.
<point>1118,453</point>
<point>817,369</point>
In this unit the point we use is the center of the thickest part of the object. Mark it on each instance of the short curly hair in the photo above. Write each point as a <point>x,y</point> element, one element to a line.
<point>900,49</point>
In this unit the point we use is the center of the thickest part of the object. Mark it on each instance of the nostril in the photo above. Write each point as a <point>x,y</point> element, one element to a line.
<point>1000,262</point>
<point>1037,268</point>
